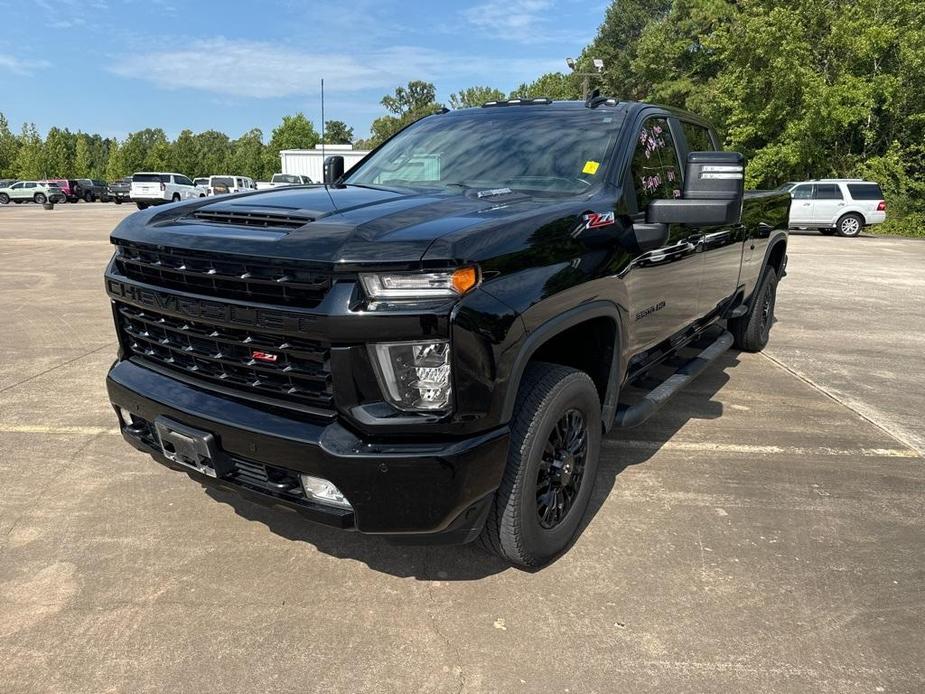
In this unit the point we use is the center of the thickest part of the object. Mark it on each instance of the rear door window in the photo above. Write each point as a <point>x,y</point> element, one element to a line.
<point>865,191</point>
<point>828,191</point>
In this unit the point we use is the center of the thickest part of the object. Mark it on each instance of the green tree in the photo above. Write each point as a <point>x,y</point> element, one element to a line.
<point>183,156</point>
<point>336,132</point>
<point>158,157</point>
<point>56,156</point>
<point>82,163</point>
<point>9,147</point>
<point>553,85</point>
<point>248,155</point>
<point>213,154</point>
<point>115,164</point>
<point>137,146</point>
<point>30,160</point>
<point>295,132</point>
<point>405,105</point>
<point>473,97</point>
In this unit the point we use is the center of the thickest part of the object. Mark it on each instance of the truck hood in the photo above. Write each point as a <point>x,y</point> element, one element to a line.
<point>352,225</point>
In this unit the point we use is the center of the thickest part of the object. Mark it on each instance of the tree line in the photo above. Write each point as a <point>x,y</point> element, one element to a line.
<point>804,90</point>
<point>66,154</point>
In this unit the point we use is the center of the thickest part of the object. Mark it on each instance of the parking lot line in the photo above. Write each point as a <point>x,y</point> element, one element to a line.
<point>747,449</point>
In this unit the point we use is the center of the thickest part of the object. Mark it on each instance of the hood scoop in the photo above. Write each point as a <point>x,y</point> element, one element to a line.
<point>252,218</point>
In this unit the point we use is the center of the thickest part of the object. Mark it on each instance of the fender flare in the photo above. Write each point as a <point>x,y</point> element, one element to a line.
<point>777,237</point>
<point>540,335</point>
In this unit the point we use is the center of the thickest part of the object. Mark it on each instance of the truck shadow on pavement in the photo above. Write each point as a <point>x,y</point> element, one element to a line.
<point>468,562</point>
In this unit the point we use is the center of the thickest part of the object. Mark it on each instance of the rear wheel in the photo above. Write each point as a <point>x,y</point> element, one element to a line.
<point>175,198</point>
<point>850,225</point>
<point>4,199</point>
<point>751,331</point>
<point>39,198</point>
<point>88,196</point>
<point>118,201</point>
<point>827,231</point>
<point>141,205</point>
<point>551,466</point>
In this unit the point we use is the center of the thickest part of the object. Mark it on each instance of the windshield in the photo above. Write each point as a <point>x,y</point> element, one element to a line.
<point>514,147</point>
<point>285,178</point>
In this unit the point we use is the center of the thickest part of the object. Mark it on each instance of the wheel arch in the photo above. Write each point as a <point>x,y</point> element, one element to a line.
<point>597,322</point>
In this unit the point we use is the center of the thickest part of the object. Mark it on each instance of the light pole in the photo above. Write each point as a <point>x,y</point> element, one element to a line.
<point>585,76</point>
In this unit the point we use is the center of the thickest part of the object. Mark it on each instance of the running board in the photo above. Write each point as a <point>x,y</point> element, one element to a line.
<point>633,415</point>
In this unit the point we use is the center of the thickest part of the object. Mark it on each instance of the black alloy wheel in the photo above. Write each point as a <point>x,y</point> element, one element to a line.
<point>561,469</point>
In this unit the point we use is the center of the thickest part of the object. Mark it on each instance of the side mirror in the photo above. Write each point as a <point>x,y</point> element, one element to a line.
<point>333,169</point>
<point>714,187</point>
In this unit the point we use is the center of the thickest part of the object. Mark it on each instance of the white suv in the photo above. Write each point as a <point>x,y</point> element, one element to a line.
<point>220,185</point>
<point>155,188</point>
<point>836,205</point>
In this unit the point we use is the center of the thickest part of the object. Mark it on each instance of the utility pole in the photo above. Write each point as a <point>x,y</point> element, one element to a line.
<point>585,76</point>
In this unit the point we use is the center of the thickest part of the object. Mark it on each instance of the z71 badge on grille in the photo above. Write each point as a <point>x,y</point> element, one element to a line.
<point>264,356</point>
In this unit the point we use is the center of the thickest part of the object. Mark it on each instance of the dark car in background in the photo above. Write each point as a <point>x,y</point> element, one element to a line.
<point>119,191</point>
<point>92,190</point>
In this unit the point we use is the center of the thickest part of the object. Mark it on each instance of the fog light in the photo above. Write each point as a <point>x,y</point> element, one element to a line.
<point>414,375</point>
<point>324,492</point>
<point>126,417</point>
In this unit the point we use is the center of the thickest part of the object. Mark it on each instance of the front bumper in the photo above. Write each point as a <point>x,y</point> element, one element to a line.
<point>412,490</point>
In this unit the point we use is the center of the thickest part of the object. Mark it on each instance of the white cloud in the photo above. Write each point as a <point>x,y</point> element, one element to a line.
<point>507,18</point>
<point>18,66</point>
<point>264,70</point>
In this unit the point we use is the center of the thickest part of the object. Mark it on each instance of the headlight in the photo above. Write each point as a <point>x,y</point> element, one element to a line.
<point>414,376</point>
<point>419,285</point>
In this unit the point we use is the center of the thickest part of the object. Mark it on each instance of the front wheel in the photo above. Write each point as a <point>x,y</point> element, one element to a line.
<point>118,201</point>
<point>850,225</point>
<point>551,466</point>
<point>141,205</point>
<point>4,199</point>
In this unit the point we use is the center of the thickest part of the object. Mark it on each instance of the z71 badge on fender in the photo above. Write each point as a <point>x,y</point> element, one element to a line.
<point>595,220</point>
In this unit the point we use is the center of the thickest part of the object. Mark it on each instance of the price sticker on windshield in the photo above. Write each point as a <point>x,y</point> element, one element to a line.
<point>591,167</point>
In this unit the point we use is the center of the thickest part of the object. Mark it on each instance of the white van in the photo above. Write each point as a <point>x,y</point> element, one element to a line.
<point>155,188</point>
<point>842,206</point>
<point>221,185</point>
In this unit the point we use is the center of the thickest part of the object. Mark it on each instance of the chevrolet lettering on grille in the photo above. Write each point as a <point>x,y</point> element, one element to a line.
<point>232,314</point>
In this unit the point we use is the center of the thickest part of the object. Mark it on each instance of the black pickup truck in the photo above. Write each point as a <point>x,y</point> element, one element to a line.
<point>431,346</point>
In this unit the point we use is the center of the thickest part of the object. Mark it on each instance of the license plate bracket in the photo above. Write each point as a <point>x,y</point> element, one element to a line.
<point>192,448</point>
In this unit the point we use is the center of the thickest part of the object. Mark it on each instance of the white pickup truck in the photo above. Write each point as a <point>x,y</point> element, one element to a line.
<point>282,179</point>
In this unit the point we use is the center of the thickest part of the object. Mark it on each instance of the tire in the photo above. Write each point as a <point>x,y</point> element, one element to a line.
<point>850,225</point>
<point>827,231</point>
<point>549,396</point>
<point>4,199</point>
<point>751,331</point>
<point>141,205</point>
<point>118,201</point>
<point>175,198</point>
<point>18,202</point>
<point>39,198</point>
<point>88,196</point>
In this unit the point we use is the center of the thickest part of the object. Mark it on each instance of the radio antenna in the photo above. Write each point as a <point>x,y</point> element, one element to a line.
<point>323,178</point>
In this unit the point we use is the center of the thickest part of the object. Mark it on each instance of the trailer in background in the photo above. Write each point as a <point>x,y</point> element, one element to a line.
<point>310,162</point>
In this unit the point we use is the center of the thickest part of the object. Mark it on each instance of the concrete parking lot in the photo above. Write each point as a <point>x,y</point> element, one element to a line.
<point>764,532</point>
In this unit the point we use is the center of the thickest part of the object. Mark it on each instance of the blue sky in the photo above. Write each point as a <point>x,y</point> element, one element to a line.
<point>112,66</point>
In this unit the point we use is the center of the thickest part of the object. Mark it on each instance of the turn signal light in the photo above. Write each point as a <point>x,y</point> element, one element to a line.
<point>465,279</point>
